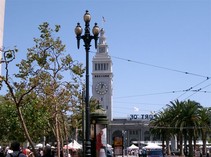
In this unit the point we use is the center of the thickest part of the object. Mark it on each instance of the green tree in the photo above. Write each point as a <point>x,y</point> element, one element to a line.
<point>175,108</point>
<point>41,74</point>
<point>58,94</point>
<point>186,118</point>
<point>35,116</point>
<point>204,126</point>
<point>190,120</point>
<point>160,126</point>
<point>10,128</point>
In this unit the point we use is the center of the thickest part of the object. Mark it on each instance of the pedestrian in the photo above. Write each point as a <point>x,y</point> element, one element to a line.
<point>208,153</point>
<point>1,152</point>
<point>47,152</point>
<point>15,147</point>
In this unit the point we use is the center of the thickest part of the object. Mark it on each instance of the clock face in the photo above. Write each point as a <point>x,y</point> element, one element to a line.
<point>101,88</point>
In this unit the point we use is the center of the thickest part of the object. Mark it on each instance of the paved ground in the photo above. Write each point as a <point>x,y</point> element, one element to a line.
<point>137,156</point>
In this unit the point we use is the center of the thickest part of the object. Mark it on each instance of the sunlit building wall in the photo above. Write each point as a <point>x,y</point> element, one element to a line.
<point>2,11</point>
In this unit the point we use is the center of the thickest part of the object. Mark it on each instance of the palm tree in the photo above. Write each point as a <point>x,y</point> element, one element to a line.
<point>175,109</point>
<point>205,122</point>
<point>191,120</point>
<point>187,120</point>
<point>160,126</point>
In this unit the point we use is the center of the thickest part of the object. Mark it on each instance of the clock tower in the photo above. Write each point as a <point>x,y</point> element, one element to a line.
<point>102,76</point>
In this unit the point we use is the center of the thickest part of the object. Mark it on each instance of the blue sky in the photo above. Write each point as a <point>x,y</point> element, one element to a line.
<point>160,48</point>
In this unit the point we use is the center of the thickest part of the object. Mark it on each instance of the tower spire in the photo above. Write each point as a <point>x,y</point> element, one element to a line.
<point>102,38</point>
<point>102,45</point>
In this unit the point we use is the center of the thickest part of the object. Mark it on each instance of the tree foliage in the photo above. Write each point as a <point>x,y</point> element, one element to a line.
<point>186,119</point>
<point>11,129</point>
<point>46,86</point>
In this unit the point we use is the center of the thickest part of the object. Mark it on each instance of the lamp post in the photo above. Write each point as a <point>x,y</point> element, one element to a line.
<point>123,143</point>
<point>87,38</point>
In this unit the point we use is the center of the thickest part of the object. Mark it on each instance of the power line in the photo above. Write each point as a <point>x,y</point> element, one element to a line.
<point>174,70</point>
<point>192,88</point>
<point>169,92</point>
<point>198,90</point>
<point>149,94</point>
<point>139,103</point>
<point>160,67</point>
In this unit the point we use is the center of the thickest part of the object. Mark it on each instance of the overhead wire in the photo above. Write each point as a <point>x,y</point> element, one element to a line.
<point>196,91</point>
<point>169,92</point>
<point>169,69</point>
<point>187,90</point>
<point>143,103</point>
<point>161,67</point>
<point>149,94</point>
<point>174,70</point>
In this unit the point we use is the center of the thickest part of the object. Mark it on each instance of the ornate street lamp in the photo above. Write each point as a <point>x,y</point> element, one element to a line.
<point>87,38</point>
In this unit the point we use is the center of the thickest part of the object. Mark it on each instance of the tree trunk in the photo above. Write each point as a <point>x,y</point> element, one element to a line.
<point>66,136</point>
<point>163,144</point>
<point>185,142</point>
<point>57,132</point>
<point>190,154</point>
<point>168,147</point>
<point>204,142</point>
<point>194,147</point>
<point>181,144</point>
<point>25,129</point>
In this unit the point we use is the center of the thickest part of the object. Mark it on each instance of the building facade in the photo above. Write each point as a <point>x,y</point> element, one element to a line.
<point>2,12</point>
<point>133,130</point>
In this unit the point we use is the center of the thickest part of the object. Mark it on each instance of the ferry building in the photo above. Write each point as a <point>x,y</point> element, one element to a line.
<point>133,128</point>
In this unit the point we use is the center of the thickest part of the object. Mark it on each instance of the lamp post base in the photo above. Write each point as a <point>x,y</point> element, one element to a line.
<point>88,148</point>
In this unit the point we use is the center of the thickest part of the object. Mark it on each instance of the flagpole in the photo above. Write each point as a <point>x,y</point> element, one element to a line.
<point>103,21</point>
